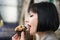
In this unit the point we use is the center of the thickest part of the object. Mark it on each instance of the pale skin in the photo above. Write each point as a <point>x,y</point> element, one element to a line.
<point>32,22</point>
<point>16,37</point>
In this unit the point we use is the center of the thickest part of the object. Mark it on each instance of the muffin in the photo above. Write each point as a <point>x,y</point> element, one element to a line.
<point>19,29</point>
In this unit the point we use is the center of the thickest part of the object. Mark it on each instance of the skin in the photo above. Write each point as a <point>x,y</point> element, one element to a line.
<point>16,37</point>
<point>32,20</point>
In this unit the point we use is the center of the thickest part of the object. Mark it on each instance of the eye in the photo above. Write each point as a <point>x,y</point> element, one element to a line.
<point>31,15</point>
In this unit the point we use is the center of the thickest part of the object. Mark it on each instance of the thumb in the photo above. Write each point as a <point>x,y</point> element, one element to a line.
<point>22,36</point>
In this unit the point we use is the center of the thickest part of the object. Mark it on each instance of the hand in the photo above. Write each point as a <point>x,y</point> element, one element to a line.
<point>16,37</point>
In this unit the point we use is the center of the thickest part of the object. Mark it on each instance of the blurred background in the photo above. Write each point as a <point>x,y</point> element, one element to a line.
<point>13,13</point>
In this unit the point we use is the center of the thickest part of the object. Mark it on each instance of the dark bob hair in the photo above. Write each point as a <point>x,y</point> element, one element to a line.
<point>48,19</point>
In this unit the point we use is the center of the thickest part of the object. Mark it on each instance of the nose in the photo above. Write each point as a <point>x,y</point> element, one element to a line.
<point>26,20</point>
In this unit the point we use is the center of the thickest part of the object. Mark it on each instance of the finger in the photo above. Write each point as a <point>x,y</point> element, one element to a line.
<point>22,36</point>
<point>15,36</point>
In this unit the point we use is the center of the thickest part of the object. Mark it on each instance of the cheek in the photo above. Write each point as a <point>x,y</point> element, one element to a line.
<point>34,24</point>
<point>33,21</point>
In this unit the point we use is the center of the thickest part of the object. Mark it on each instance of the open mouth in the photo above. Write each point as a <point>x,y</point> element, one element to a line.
<point>29,27</point>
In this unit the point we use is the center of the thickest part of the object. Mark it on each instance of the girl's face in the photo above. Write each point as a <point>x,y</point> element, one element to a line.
<point>31,22</point>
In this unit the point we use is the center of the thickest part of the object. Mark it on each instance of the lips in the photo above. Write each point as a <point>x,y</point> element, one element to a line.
<point>29,27</point>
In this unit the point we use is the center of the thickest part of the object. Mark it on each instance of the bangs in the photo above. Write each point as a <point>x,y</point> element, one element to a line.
<point>33,8</point>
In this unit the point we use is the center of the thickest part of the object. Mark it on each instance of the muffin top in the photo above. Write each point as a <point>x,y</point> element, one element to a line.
<point>19,28</point>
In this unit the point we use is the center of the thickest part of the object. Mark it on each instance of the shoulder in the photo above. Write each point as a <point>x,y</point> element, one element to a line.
<point>51,37</point>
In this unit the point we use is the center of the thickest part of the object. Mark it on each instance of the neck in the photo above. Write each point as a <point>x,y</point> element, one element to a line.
<point>38,35</point>
<point>41,34</point>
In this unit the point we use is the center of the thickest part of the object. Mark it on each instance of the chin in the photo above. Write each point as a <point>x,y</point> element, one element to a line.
<point>32,33</point>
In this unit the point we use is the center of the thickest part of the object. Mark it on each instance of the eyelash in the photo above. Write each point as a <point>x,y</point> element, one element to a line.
<point>31,15</point>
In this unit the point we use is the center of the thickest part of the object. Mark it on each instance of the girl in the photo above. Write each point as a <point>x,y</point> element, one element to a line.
<point>42,22</point>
